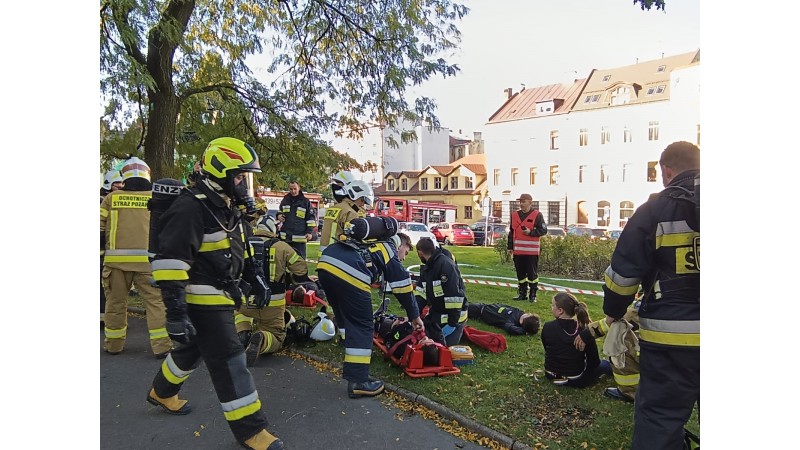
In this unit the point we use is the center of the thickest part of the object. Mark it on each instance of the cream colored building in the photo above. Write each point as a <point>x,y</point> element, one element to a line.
<point>587,151</point>
<point>461,183</point>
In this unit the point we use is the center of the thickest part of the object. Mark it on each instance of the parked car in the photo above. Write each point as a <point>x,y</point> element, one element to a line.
<point>580,231</point>
<point>614,234</point>
<point>415,231</point>
<point>456,233</point>
<point>498,230</point>
<point>599,234</point>
<point>438,233</point>
<point>556,231</point>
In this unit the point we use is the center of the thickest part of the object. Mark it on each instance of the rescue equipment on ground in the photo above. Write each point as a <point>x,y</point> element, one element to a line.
<point>310,300</point>
<point>323,328</point>
<point>462,355</point>
<point>412,361</point>
<point>494,342</point>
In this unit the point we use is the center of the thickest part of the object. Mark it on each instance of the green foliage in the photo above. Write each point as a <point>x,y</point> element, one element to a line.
<point>648,4</point>
<point>330,65</point>
<point>501,248</point>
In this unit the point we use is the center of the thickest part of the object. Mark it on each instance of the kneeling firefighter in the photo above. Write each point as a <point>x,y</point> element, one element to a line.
<point>204,269</point>
<point>282,265</point>
<point>346,271</point>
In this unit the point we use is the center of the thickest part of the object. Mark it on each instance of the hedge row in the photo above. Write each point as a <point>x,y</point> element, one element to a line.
<point>570,256</point>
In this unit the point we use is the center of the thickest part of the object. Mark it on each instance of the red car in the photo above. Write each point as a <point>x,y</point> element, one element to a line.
<point>436,232</point>
<point>456,233</point>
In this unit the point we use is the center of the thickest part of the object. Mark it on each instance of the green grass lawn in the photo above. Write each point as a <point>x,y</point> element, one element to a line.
<point>504,391</point>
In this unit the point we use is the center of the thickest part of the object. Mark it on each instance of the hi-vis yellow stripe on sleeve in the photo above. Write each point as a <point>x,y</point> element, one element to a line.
<point>351,280</point>
<point>620,284</point>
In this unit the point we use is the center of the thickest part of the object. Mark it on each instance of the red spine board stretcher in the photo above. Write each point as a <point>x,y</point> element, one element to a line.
<point>310,300</point>
<point>411,361</point>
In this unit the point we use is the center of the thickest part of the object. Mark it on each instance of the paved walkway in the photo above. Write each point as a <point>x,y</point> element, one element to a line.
<point>306,408</point>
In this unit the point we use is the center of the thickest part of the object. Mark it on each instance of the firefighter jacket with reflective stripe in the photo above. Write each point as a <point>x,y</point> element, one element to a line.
<point>523,244</point>
<point>125,220</point>
<point>202,247</point>
<point>503,316</point>
<point>337,217</point>
<point>300,218</point>
<point>660,250</point>
<point>444,289</point>
<point>346,262</point>
<point>281,259</point>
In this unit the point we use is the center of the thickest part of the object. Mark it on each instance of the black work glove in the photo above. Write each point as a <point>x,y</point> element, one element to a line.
<point>179,327</point>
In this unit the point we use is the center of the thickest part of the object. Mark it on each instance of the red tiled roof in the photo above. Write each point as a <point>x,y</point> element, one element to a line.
<point>522,105</point>
<point>477,169</point>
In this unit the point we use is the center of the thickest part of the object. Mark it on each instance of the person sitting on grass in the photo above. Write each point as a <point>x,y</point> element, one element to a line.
<point>514,320</point>
<point>563,363</point>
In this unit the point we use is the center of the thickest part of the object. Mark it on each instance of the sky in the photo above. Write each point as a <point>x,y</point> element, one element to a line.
<point>507,43</point>
<point>749,158</point>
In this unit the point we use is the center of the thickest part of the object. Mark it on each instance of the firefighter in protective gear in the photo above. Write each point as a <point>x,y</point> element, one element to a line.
<point>125,235</point>
<point>355,195</point>
<point>346,270</point>
<point>204,270</point>
<point>300,220</point>
<point>282,266</point>
<point>338,181</point>
<point>338,216</point>
<point>112,181</point>
<point>660,251</point>
<point>527,225</point>
<point>627,377</point>
<point>444,293</point>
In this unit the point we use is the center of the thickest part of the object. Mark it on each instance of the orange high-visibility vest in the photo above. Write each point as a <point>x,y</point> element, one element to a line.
<point>524,244</point>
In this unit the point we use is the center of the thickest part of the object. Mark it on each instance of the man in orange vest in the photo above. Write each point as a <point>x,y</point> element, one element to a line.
<point>527,225</point>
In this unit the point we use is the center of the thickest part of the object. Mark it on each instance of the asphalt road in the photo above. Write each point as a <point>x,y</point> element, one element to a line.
<point>306,408</point>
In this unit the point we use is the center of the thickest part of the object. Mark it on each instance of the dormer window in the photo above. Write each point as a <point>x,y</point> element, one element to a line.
<point>606,78</point>
<point>651,90</point>
<point>661,69</point>
<point>660,89</point>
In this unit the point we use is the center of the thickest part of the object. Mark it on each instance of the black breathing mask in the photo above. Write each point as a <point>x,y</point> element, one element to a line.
<point>239,192</point>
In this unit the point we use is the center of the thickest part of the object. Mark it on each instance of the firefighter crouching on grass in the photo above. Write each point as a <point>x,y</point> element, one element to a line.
<point>125,233</point>
<point>346,271</point>
<point>279,259</point>
<point>203,251</point>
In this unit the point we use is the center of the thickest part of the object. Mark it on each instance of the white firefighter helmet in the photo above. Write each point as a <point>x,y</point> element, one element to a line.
<point>324,330</point>
<point>135,167</point>
<point>111,177</point>
<point>268,224</point>
<point>360,189</point>
<point>343,177</point>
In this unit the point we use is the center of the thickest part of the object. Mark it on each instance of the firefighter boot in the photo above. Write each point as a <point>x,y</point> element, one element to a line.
<point>263,441</point>
<point>522,292</point>
<point>532,294</point>
<point>365,389</point>
<point>254,348</point>
<point>172,405</point>
<point>244,337</point>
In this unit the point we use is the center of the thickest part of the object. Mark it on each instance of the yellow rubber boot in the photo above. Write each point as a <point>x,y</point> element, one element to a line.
<point>172,405</point>
<point>264,441</point>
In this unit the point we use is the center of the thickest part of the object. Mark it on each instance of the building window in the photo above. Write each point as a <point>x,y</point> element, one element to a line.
<point>467,182</point>
<point>390,185</point>
<point>626,135</point>
<point>404,184</point>
<point>513,205</point>
<point>460,153</point>
<point>604,173</point>
<point>621,96</point>
<point>603,213</point>
<point>651,91</point>
<point>497,209</point>
<point>453,182</point>
<point>595,98</point>
<point>437,182</point>
<point>584,139</point>
<point>554,140</point>
<point>625,169</point>
<point>468,212</point>
<point>554,213</point>
<point>605,135</point>
<point>581,172</point>
<point>660,89</point>
<point>514,172</point>
<point>424,184</point>
<point>698,135</point>
<point>606,78</point>
<point>651,171</point>
<point>661,69</point>
<point>625,212</point>
<point>652,132</point>
<point>587,99</point>
<point>553,174</point>
<point>533,176</point>
<point>534,205</point>
<point>497,177</point>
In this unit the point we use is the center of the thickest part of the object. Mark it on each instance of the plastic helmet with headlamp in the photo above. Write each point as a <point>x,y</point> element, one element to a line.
<point>223,160</point>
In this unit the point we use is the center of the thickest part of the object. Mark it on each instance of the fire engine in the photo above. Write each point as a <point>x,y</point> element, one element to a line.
<point>429,213</point>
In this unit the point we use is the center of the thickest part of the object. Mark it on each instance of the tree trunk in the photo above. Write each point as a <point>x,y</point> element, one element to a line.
<point>159,144</point>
